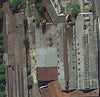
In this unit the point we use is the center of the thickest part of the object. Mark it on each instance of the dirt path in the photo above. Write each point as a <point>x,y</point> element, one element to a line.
<point>30,13</point>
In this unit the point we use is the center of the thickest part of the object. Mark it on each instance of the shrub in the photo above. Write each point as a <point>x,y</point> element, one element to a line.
<point>40,6</point>
<point>90,8</point>
<point>26,42</point>
<point>3,94</point>
<point>26,39</point>
<point>37,20</point>
<point>2,78</point>
<point>75,10</point>
<point>16,5</point>
<point>1,36</point>
<point>2,69</point>
<point>1,48</point>
<point>29,70</point>
<point>1,13</point>
<point>2,82</point>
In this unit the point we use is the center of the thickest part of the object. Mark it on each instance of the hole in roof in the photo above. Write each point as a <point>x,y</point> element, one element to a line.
<point>57,43</point>
<point>58,73</point>
<point>73,67</point>
<point>78,53</point>
<point>50,39</point>
<point>78,59</point>
<point>79,69</point>
<point>16,26</point>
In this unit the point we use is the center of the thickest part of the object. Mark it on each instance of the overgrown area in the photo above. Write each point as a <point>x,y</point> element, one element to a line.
<point>2,66</point>
<point>75,10</point>
<point>17,5</point>
<point>2,69</point>
<point>41,9</point>
<point>40,6</point>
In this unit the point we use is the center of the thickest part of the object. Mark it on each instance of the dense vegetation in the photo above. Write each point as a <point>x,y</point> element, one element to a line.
<point>37,20</point>
<point>40,6</point>
<point>75,10</point>
<point>2,68</point>
<point>16,5</point>
<point>1,13</point>
<point>90,8</point>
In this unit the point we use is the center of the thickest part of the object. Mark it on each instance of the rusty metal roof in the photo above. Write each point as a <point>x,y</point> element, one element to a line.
<point>46,73</point>
<point>46,2</point>
<point>13,32</point>
<point>45,92</point>
<point>55,89</point>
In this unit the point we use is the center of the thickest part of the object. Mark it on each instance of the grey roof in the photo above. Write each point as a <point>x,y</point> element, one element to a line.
<point>83,72</point>
<point>50,56</point>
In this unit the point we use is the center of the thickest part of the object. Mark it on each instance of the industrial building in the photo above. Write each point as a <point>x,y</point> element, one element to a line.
<point>14,54</point>
<point>71,52</point>
<point>83,53</point>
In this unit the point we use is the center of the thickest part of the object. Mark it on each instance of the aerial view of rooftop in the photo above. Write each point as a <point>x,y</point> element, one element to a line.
<point>49,48</point>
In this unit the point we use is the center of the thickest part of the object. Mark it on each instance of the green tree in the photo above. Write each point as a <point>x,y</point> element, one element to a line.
<point>75,9</point>
<point>1,13</point>
<point>16,5</point>
<point>26,42</point>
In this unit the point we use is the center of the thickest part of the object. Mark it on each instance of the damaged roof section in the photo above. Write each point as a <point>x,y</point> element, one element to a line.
<point>53,12</point>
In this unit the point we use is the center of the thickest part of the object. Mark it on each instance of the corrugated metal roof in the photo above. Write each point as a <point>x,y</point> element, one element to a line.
<point>46,73</point>
<point>45,92</point>
<point>55,89</point>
